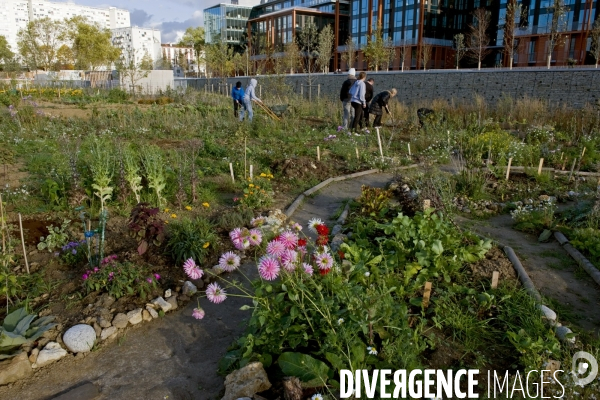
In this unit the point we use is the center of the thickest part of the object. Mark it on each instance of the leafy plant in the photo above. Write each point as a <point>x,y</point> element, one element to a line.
<point>587,240</point>
<point>146,227</point>
<point>119,279</point>
<point>154,167</point>
<point>132,171</point>
<point>19,328</point>
<point>258,193</point>
<point>190,238</point>
<point>101,166</point>
<point>374,201</point>
<point>57,237</point>
<point>308,369</point>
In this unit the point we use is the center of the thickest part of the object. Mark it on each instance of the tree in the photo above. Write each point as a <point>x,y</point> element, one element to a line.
<point>65,58</point>
<point>478,38</point>
<point>404,49</point>
<point>557,25</point>
<point>459,47</point>
<point>194,37</point>
<point>291,57</point>
<point>308,42</point>
<point>349,55</point>
<point>325,48</point>
<point>239,63</point>
<point>390,51</point>
<point>6,55</point>
<point>92,45</point>
<point>219,59</point>
<point>513,10</point>
<point>595,36</point>
<point>132,71</point>
<point>375,51</point>
<point>39,42</point>
<point>426,54</point>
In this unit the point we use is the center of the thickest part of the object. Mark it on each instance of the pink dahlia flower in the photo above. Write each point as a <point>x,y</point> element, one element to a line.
<point>275,248</point>
<point>324,261</point>
<point>289,239</point>
<point>307,268</point>
<point>191,269</point>
<point>198,313</point>
<point>229,261</point>
<point>255,237</point>
<point>215,294</point>
<point>268,268</point>
<point>289,259</point>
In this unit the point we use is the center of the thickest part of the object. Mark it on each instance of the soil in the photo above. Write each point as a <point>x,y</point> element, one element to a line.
<point>83,112</point>
<point>495,260</point>
<point>551,269</point>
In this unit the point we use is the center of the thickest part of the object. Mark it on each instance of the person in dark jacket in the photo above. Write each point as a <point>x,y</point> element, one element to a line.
<point>368,97</point>
<point>237,93</point>
<point>345,98</point>
<point>380,102</point>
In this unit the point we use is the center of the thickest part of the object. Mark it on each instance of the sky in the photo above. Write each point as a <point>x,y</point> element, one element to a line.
<point>172,17</point>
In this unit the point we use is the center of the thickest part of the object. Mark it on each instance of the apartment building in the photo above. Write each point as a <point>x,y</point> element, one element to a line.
<point>226,22</point>
<point>136,42</point>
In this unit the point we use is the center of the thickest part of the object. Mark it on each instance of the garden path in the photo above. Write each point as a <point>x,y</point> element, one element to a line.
<point>174,357</point>
<point>554,273</point>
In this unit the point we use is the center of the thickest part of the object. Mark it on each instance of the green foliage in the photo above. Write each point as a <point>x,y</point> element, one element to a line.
<point>57,237</point>
<point>120,279</point>
<point>534,219</point>
<point>191,238</point>
<point>374,201</point>
<point>258,194</point>
<point>473,183</point>
<point>19,328</point>
<point>154,167</point>
<point>304,367</point>
<point>587,240</point>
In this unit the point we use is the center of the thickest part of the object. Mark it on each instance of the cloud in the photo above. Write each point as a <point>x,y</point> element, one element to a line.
<point>172,31</point>
<point>139,17</point>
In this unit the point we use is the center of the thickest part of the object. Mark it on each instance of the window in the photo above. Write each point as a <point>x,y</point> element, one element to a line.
<point>532,51</point>
<point>572,48</point>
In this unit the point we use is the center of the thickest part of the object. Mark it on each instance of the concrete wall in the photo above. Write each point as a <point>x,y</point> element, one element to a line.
<point>571,86</point>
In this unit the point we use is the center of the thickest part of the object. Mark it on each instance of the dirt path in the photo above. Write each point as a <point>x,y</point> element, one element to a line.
<point>174,357</point>
<point>551,269</point>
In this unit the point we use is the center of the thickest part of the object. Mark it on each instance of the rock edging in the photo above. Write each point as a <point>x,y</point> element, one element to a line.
<point>577,256</point>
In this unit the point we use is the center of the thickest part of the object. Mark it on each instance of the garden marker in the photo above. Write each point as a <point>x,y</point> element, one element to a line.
<point>318,154</point>
<point>357,157</point>
<point>583,152</point>
<point>508,168</point>
<point>495,276</point>
<point>540,167</point>
<point>2,226</point>
<point>231,170</point>
<point>379,141</point>
<point>561,155</point>
<point>564,164</point>
<point>426,294</point>
<point>426,204</point>
<point>552,366</point>
<point>572,169</point>
<point>245,151</point>
<point>251,172</point>
<point>23,243</point>
<point>409,150</point>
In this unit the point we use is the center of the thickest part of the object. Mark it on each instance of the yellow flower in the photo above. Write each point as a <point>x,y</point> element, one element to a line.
<point>166,210</point>
<point>206,245</point>
<point>263,174</point>
<point>251,185</point>
<point>251,192</point>
<point>245,195</point>
<point>173,215</point>
<point>188,208</point>
<point>258,187</point>
<point>205,204</point>
<point>166,222</point>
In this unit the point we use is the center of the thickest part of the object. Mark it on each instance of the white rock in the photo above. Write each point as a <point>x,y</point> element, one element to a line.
<point>79,338</point>
<point>103,322</point>
<point>562,332</point>
<point>152,312</point>
<point>33,355</point>
<point>13,370</point>
<point>548,313</point>
<point>189,288</point>
<point>120,320</point>
<point>146,316</point>
<point>52,352</point>
<point>173,302</point>
<point>167,293</point>
<point>135,316</point>
<point>108,333</point>
<point>159,301</point>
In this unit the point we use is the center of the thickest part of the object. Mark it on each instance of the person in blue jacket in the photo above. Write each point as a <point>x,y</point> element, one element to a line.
<point>249,96</point>
<point>237,93</point>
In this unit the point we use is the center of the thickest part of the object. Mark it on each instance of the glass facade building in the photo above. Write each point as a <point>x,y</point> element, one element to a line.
<point>225,22</point>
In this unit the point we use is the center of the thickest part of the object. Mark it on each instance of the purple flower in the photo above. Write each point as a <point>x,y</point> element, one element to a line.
<point>111,276</point>
<point>157,276</point>
<point>96,269</point>
<point>84,276</point>
<point>74,251</point>
<point>149,280</point>
<point>340,128</point>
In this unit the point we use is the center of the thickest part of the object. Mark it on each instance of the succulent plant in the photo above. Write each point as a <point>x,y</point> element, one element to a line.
<point>18,328</point>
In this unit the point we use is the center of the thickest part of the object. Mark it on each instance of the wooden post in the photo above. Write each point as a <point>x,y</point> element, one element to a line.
<point>540,167</point>
<point>245,148</point>
<point>583,152</point>
<point>508,168</point>
<point>2,224</point>
<point>495,276</point>
<point>409,153</point>
<point>251,172</point>
<point>379,141</point>
<point>561,155</point>
<point>426,294</point>
<point>318,154</point>
<point>552,367</point>
<point>572,169</point>
<point>564,164</point>
<point>23,244</point>
<point>357,157</point>
<point>426,204</point>
<point>231,170</point>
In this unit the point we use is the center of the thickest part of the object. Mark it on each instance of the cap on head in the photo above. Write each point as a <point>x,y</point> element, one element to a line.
<point>352,71</point>
<point>238,84</point>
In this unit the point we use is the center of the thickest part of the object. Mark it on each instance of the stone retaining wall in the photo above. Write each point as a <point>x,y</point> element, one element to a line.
<point>559,86</point>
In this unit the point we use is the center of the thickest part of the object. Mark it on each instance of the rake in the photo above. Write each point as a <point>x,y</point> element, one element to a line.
<point>266,109</point>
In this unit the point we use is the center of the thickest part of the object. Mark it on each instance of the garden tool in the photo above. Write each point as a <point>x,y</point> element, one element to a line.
<point>267,110</point>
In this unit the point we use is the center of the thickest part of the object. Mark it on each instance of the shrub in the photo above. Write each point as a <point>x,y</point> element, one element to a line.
<point>117,95</point>
<point>146,226</point>
<point>258,193</point>
<point>190,238</point>
<point>57,237</point>
<point>18,328</point>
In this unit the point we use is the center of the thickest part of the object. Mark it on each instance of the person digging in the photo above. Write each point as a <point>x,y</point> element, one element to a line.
<point>379,102</point>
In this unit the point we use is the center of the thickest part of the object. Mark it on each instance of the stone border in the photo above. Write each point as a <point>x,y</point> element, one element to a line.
<point>296,203</point>
<point>577,256</point>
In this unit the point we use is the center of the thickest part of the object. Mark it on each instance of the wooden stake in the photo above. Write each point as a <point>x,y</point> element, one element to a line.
<point>572,169</point>
<point>251,174</point>
<point>426,204</point>
<point>540,167</point>
<point>409,153</point>
<point>2,226</point>
<point>508,168</point>
<point>23,243</point>
<point>245,148</point>
<point>426,294</point>
<point>564,164</point>
<point>561,155</point>
<point>495,276</point>
<point>318,154</point>
<point>583,152</point>
<point>357,157</point>
<point>379,141</point>
<point>552,367</point>
<point>231,170</point>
